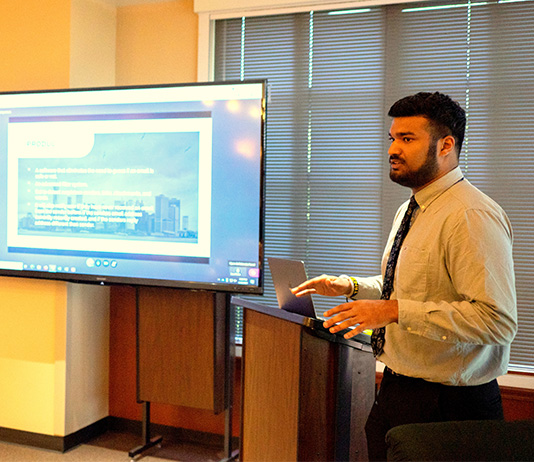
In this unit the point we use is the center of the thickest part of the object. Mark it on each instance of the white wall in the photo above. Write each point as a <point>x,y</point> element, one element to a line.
<point>284,6</point>
<point>87,356</point>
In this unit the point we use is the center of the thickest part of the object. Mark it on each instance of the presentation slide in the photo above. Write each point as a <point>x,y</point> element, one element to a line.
<point>149,191</point>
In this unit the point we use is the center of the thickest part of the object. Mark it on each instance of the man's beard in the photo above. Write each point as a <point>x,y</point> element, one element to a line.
<point>423,175</point>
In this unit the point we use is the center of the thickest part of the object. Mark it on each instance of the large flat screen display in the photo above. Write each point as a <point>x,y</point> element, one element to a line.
<point>153,185</point>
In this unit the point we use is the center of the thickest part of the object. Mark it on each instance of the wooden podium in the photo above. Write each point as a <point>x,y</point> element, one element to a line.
<point>306,392</point>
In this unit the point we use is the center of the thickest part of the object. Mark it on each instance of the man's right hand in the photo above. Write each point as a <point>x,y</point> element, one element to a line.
<point>331,286</point>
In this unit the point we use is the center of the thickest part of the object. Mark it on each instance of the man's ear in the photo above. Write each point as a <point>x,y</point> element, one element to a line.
<point>447,146</point>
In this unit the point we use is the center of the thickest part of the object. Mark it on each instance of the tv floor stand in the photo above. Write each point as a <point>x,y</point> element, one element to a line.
<point>148,441</point>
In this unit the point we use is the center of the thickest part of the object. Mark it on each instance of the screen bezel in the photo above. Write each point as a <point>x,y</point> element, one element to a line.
<point>171,283</point>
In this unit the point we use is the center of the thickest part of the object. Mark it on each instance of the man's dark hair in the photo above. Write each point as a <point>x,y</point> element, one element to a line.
<point>446,116</point>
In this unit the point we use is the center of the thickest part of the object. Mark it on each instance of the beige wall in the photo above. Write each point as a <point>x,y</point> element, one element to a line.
<point>157,43</point>
<point>93,41</point>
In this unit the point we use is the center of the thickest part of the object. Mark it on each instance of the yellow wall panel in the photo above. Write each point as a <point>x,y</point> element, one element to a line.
<point>35,44</point>
<point>30,312</point>
<point>27,396</point>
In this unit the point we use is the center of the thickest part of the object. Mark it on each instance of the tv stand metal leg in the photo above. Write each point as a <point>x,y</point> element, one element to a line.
<point>229,453</point>
<point>148,441</point>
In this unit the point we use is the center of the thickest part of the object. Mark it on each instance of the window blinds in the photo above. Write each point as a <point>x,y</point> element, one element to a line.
<point>332,77</point>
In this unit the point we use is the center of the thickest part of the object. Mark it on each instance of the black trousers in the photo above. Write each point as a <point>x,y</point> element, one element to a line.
<point>403,400</point>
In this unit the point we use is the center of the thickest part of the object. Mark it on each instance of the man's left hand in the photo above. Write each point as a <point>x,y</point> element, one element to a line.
<point>363,314</point>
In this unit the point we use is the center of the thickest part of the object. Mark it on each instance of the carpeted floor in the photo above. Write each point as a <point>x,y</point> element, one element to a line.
<point>113,447</point>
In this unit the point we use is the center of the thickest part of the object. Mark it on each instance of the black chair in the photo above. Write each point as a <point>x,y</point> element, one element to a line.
<point>472,440</point>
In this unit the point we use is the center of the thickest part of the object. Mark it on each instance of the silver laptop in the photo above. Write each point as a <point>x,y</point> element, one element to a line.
<point>287,274</point>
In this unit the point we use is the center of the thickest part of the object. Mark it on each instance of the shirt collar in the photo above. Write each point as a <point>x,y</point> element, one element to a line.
<point>435,189</point>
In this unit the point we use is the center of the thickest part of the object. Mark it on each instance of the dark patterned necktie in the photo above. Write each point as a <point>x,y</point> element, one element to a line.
<point>377,339</point>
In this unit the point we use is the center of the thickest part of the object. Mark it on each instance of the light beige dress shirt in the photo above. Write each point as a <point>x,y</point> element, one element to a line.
<point>455,286</point>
